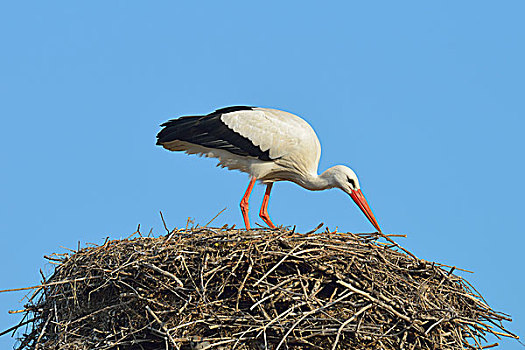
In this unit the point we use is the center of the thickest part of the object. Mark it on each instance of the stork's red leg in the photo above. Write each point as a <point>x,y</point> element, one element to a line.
<point>244,203</point>
<point>264,207</point>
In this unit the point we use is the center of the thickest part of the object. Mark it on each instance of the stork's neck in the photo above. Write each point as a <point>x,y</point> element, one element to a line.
<point>321,182</point>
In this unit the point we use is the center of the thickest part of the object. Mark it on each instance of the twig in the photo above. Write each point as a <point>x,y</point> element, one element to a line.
<point>164,223</point>
<point>377,301</point>
<point>14,328</point>
<point>165,273</point>
<point>162,325</point>
<point>50,284</point>
<point>277,265</point>
<point>315,229</point>
<point>37,343</point>
<point>215,217</point>
<point>345,323</point>
<point>308,314</point>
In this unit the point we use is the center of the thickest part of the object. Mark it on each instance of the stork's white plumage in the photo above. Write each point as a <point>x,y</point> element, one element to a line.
<point>268,144</point>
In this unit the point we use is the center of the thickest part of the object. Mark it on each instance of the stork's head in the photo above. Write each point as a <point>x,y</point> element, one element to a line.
<point>345,179</point>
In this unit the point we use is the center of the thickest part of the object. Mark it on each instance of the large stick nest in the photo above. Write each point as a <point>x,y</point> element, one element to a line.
<point>262,289</point>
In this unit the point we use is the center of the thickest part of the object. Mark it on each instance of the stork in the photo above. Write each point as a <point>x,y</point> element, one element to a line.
<point>268,144</point>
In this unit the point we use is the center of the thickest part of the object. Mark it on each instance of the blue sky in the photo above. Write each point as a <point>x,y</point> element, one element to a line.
<point>424,100</point>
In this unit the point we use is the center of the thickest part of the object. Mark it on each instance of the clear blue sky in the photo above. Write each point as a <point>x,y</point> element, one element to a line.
<point>424,100</point>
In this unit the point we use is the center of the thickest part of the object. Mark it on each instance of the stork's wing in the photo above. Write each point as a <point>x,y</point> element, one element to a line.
<point>266,134</point>
<point>208,131</point>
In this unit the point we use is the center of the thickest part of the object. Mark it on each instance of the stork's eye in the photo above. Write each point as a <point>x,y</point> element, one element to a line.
<point>352,182</point>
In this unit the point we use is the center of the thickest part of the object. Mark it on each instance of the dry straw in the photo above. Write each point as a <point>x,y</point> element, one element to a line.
<point>222,288</point>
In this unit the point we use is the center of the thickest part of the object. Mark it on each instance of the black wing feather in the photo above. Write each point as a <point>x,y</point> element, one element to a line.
<point>209,131</point>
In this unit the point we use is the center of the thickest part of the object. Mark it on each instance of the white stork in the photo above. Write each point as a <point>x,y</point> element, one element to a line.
<point>268,144</point>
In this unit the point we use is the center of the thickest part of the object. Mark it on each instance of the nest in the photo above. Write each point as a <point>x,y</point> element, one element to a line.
<point>222,288</point>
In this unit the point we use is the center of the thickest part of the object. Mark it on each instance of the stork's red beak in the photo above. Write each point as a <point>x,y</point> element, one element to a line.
<point>360,200</point>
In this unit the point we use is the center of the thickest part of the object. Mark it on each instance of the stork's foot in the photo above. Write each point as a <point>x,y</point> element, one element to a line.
<point>266,218</point>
